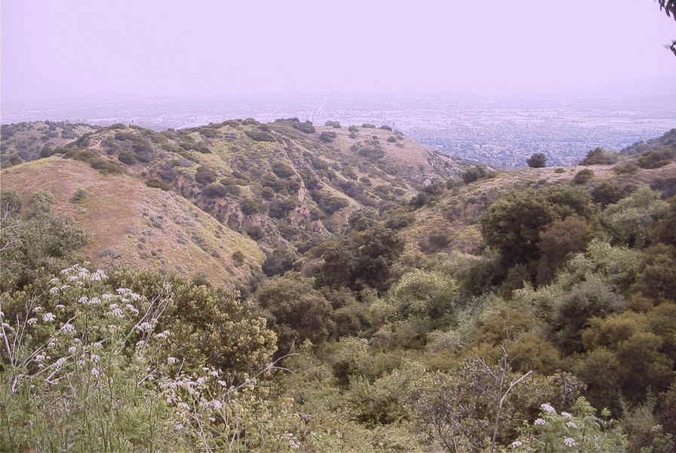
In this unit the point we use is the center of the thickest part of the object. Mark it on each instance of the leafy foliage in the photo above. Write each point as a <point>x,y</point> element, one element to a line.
<point>537,160</point>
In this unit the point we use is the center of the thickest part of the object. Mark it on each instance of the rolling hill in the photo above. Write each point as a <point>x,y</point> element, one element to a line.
<point>214,200</point>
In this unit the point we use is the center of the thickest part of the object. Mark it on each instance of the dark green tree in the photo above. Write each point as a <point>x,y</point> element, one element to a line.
<point>362,259</point>
<point>296,310</point>
<point>513,223</point>
<point>537,160</point>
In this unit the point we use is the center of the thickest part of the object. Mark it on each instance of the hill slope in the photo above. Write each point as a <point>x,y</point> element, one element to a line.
<point>136,225</point>
<point>162,200</point>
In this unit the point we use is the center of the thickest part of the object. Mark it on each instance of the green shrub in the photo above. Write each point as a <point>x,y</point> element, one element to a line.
<point>537,160</point>
<point>327,137</point>
<point>260,136</point>
<point>628,168</point>
<point>249,206</point>
<point>474,173</point>
<point>205,175</point>
<point>157,184</point>
<point>598,156</point>
<point>215,190</point>
<point>306,127</point>
<point>580,430</point>
<point>583,176</point>
<point>282,170</point>
<point>280,208</point>
<point>606,193</point>
<point>655,159</point>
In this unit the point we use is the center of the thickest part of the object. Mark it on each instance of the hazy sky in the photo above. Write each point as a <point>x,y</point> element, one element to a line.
<point>103,48</point>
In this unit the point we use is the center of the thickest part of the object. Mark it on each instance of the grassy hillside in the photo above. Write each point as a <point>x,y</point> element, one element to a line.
<point>284,184</point>
<point>134,225</point>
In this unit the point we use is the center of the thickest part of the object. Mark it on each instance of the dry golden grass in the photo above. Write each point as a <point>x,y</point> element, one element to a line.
<point>135,225</point>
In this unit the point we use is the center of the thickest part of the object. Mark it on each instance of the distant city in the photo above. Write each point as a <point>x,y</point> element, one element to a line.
<point>499,133</point>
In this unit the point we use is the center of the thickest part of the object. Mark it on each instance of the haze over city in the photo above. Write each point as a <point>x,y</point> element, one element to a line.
<point>91,50</point>
<point>457,76</point>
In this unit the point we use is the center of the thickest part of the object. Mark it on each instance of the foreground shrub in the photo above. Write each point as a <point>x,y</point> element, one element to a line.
<point>579,431</point>
<point>90,366</point>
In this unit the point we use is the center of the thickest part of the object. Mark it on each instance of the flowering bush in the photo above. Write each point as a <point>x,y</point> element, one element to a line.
<point>580,431</point>
<point>86,367</point>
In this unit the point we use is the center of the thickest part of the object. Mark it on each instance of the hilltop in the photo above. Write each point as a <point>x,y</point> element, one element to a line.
<point>162,199</point>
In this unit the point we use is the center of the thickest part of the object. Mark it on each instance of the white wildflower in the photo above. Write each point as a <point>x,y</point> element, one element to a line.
<point>222,383</point>
<point>83,300</point>
<point>569,442</point>
<point>72,350</point>
<point>38,309</point>
<point>131,308</point>
<point>123,290</point>
<point>516,444</point>
<point>68,327</point>
<point>217,404</point>
<point>48,317</point>
<point>567,414</point>
<point>60,307</point>
<point>539,421</point>
<point>53,290</point>
<point>32,321</point>
<point>95,358</point>
<point>98,276</point>
<point>106,296</point>
<point>145,327</point>
<point>54,281</point>
<point>214,373</point>
<point>571,425</point>
<point>94,301</point>
<point>164,334</point>
<point>95,372</point>
<point>59,363</point>
<point>548,408</point>
<point>40,358</point>
<point>171,360</point>
<point>117,312</point>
